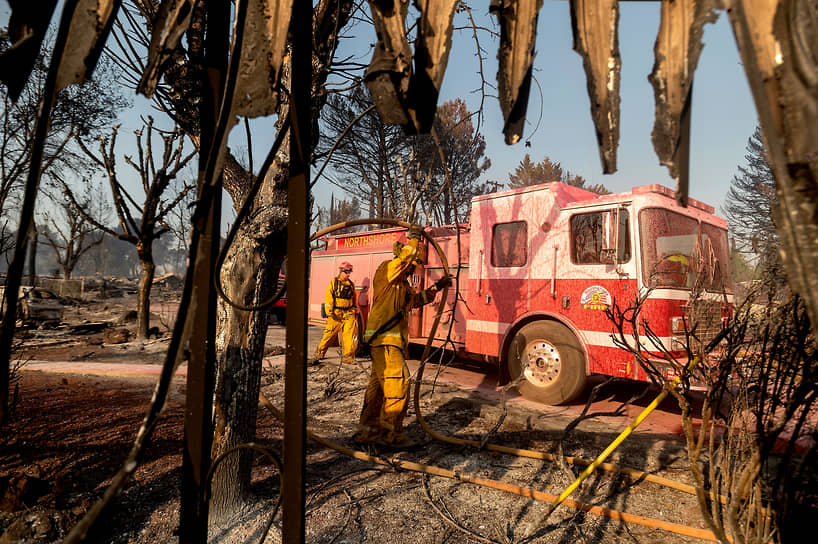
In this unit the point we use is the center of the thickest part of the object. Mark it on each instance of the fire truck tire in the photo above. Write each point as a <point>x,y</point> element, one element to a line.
<point>547,361</point>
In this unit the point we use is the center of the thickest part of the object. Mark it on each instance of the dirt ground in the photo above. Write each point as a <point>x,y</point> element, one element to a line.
<point>70,432</point>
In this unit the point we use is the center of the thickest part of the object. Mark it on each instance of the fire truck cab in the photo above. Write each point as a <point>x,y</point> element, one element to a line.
<point>537,269</point>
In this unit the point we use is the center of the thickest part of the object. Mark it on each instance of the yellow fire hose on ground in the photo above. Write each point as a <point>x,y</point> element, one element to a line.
<point>504,486</point>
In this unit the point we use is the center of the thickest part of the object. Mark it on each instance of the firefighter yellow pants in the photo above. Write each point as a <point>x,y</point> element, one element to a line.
<point>349,337</point>
<point>386,398</point>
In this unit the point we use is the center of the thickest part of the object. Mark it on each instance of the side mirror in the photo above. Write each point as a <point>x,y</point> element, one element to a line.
<point>615,227</point>
<point>610,237</point>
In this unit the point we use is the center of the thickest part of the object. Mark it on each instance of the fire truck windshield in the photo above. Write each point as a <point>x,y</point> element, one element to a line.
<point>680,252</point>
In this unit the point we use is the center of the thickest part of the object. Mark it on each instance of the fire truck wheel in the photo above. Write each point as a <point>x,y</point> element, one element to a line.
<point>547,362</point>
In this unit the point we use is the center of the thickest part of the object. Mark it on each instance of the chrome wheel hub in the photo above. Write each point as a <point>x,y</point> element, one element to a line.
<point>541,365</point>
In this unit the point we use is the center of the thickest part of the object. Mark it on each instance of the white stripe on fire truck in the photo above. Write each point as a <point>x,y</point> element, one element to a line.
<point>676,294</point>
<point>605,339</point>
<point>591,338</point>
<point>490,327</point>
<point>596,338</point>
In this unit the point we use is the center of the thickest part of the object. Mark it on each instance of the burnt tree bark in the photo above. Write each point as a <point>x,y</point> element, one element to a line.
<point>148,271</point>
<point>249,275</point>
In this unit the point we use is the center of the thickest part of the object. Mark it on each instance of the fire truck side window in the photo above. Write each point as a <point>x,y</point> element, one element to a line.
<point>509,244</point>
<point>588,238</point>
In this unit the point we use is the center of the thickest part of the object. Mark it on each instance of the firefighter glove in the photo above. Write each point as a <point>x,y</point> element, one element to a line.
<point>443,282</point>
<point>414,232</point>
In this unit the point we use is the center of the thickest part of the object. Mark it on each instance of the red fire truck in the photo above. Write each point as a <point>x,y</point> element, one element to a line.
<point>539,266</point>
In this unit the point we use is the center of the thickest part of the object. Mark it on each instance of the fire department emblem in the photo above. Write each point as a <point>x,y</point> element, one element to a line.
<point>595,297</point>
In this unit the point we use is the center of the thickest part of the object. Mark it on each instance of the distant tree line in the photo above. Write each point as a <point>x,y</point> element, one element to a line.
<point>79,110</point>
<point>530,173</point>
<point>109,258</point>
<point>748,209</point>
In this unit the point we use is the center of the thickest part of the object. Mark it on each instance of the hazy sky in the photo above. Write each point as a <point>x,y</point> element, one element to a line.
<point>723,113</point>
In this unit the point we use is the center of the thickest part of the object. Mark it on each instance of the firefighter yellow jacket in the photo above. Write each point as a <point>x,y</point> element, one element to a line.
<point>392,293</point>
<point>340,296</point>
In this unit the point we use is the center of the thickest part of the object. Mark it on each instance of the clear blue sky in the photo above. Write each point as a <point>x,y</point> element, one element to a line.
<point>723,112</point>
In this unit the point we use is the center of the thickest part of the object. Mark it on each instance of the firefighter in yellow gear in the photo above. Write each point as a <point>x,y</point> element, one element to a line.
<point>387,333</point>
<point>675,269</point>
<point>340,303</point>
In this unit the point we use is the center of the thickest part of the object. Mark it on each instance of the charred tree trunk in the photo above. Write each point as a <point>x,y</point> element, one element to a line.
<point>70,260</point>
<point>239,377</point>
<point>32,257</point>
<point>379,202</point>
<point>249,276</point>
<point>143,308</point>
